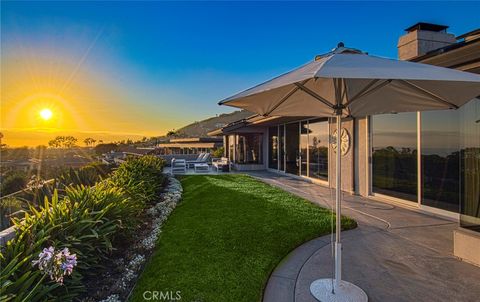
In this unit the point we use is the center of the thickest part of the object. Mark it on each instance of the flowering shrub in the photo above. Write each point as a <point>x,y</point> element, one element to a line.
<point>86,220</point>
<point>56,265</point>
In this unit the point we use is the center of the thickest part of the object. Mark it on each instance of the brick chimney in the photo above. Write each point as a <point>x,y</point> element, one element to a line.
<point>422,38</point>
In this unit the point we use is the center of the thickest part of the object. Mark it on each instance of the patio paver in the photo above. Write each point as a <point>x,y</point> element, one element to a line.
<point>395,254</point>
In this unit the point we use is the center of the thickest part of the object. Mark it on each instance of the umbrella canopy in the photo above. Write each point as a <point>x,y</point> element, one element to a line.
<point>361,85</point>
<point>347,82</point>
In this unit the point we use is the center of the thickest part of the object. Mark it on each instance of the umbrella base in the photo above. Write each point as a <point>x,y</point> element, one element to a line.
<point>321,289</point>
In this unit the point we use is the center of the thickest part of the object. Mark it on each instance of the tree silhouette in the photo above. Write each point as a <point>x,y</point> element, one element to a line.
<point>89,141</point>
<point>66,142</point>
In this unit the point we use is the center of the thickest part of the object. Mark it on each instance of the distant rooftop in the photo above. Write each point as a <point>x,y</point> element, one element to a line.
<point>426,26</point>
<point>471,35</point>
<point>196,139</point>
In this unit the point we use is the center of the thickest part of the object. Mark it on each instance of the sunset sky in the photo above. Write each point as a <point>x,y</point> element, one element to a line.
<point>116,70</point>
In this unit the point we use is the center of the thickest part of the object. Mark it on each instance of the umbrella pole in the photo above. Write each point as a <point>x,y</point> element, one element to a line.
<point>338,201</point>
<point>329,289</point>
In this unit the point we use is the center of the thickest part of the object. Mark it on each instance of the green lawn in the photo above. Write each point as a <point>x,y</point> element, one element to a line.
<point>226,236</point>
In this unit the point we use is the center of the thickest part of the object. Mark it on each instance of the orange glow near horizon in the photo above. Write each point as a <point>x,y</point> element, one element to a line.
<point>48,94</point>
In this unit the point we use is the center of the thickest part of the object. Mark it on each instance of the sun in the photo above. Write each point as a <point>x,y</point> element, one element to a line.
<point>46,114</point>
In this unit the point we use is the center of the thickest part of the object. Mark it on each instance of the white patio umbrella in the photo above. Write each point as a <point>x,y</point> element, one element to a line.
<point>347,82</point>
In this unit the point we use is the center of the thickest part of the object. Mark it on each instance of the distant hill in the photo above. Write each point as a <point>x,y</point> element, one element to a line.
<point>201,128</point>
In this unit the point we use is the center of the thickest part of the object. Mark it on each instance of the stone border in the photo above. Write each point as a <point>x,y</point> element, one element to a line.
<point>143,249</point>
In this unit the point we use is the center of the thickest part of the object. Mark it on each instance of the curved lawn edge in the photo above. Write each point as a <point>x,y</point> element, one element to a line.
<point>227,236</point>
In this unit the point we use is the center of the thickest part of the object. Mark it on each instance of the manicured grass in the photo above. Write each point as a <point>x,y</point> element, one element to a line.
<point>227,235</point>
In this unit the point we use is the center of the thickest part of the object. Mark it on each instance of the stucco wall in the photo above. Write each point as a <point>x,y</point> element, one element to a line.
<point>361,159</point>
<point>348,181</point>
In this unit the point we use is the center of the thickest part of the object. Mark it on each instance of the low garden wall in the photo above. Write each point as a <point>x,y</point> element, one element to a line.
<point>6,235</point>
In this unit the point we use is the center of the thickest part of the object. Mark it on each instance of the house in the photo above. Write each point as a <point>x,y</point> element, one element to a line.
<point>193,145</point>
<point>429,161</point>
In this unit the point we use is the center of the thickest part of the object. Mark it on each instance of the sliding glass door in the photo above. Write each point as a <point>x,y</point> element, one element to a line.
<point>281,147</point>
<point>318,149</point>
<point>301,148</point>
<point>273,145</point>
<point>304,148</point>
<point>292,142</point>
<point>249,148</point>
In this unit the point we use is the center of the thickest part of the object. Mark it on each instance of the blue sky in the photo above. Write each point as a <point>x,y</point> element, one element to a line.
<point>175,60</point>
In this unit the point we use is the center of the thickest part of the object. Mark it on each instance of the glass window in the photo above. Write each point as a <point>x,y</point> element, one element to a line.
<point>249,148</point>
<point>318,149</point>
<point>440,159</point>
<point>292,148</point>
<point>273,147</point>
<point>231,147</point>
<point>281,140</point>
<point>470,165</point>
<point>394,155</point>
<point>304,148</point>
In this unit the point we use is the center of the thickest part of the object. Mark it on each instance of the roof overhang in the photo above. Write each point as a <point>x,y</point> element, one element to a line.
<point>196,139</point>
<point>190,145</point>
<point>256,122</point>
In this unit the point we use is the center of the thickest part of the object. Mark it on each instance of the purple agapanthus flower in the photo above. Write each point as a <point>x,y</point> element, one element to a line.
<point>56,265</point>
<point>44,258</point>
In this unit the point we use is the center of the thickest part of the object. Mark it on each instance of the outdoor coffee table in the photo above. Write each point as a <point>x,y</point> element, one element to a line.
<point>200,167</point>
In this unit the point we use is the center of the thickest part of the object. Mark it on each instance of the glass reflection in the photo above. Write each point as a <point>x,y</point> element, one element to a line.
<point>470,165</point>
<point>231,148</point>
<point>273,147</point>
<point>304,148</point>
<point>441,159</point>
<point>291,148</point>
<point>318,149</point>
<point>394,155</point>
<point>281,140</point>
<point>249,149</point>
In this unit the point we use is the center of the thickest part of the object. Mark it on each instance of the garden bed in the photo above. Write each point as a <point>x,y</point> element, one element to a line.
<point>115,282</point>
<point>64,248</point>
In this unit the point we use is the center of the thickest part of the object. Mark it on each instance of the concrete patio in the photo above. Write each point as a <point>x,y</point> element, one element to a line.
<point>395,254</point>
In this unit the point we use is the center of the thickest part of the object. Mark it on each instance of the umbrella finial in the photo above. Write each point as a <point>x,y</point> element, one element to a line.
<point>340,44</point>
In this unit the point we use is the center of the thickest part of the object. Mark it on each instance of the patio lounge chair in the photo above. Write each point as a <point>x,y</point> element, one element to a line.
<point>221,164</point>
<point>201,167</point>
<point>201,159</point>
<point>198,159</point>
<point>179,165</point>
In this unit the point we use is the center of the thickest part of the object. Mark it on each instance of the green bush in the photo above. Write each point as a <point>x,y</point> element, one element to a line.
<point>103,170</point>
<point>8,206</point>
<point>141,177</point>
<point>219,152</point>
<point>86,220</point>
<point>14,182</point>
<point>87,175</point>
